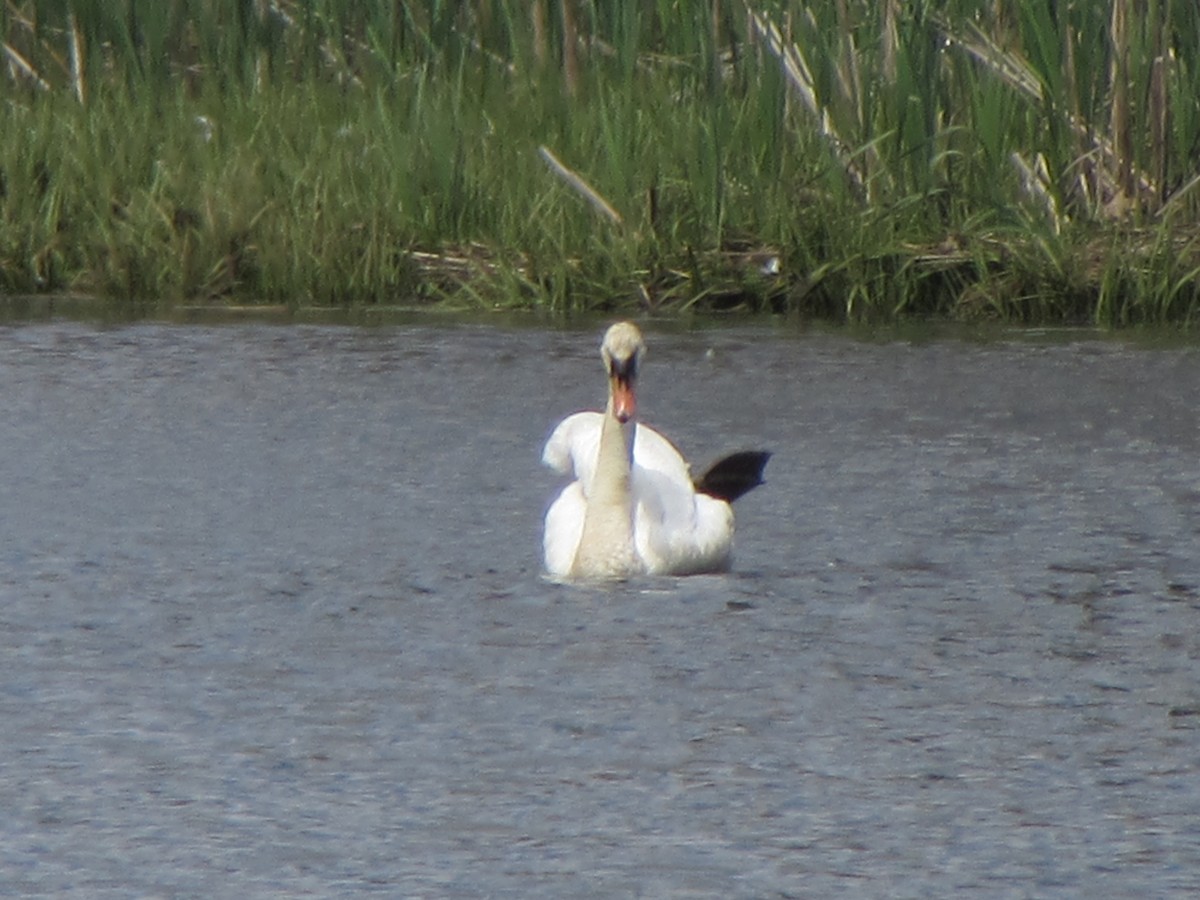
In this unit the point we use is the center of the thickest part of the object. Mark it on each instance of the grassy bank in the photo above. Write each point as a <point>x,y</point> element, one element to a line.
<point>860,161</point>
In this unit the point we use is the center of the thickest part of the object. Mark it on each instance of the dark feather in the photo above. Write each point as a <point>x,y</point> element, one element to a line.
<point>731,476</point>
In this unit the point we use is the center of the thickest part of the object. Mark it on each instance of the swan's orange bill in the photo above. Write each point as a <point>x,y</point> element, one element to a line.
<point>624,402</point>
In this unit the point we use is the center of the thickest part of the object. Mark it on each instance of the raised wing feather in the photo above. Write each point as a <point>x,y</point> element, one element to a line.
<point>573,445</point>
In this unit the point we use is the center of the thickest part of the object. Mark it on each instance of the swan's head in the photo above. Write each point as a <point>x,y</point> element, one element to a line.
<point>622,351</point>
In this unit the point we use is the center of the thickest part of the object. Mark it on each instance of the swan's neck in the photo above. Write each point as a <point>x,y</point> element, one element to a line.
<point>606,546</point>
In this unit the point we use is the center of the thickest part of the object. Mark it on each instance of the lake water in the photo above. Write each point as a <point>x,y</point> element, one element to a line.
<point>272,621</point>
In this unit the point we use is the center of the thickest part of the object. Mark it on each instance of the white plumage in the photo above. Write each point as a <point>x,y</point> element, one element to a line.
<point>676,531</point>
<point>632,506</point>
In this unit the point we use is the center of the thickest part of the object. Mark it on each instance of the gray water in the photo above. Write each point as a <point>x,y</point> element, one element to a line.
<point>272,621</point>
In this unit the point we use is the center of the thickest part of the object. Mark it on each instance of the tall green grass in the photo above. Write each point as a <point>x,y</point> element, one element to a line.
<point>1004,159</point>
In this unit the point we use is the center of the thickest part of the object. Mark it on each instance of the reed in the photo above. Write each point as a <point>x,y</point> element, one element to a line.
<point>858,160</point>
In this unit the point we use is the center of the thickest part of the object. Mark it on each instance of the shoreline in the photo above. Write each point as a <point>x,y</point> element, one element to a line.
<point>95,311</point>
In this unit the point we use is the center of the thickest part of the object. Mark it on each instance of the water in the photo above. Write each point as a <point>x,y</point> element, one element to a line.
<point>272,622</point>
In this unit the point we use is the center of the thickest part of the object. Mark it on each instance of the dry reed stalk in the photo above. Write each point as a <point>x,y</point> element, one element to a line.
<point>465,265</point>
<point>800,77</point>
<point>890,39</point>
<point>1008,64</point>
<point>1087,177</point>
<point>1035,179</point>
<point>77,60</point>
<point>1159,102</point>
<point>1099,152</point>
<point>570,43</point>
<point>577,183</point>
<point>19,65</point>
<point>849,77</point>
<point>714,27</point>
<point>1005,26</point>
<point>540,38</point>
<point>1120,125</point>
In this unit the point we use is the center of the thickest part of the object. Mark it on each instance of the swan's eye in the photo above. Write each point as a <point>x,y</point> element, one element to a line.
<point>623,369</point>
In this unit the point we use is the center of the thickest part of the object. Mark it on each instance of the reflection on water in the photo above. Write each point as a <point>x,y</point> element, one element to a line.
<point>271,620</point>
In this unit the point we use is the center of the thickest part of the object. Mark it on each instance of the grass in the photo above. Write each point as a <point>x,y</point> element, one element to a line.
<point>856,161</point>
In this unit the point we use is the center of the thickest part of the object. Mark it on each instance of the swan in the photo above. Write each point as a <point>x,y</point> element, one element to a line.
<point>633,506</point>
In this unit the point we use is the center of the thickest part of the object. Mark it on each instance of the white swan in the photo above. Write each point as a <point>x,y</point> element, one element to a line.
<point>633,506</point>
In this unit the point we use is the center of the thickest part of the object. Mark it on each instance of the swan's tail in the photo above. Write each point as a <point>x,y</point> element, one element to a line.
<point>732,476</point>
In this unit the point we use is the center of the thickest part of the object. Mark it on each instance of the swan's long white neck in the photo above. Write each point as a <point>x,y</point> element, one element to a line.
<point>614,461</point>
<point>606,546</point>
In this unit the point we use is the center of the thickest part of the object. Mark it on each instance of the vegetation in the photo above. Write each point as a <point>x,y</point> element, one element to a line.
<point>856,160</point>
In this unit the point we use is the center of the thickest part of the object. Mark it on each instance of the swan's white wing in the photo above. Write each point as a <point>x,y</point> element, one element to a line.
<point>574,444</point>
<point>677,531</point>
<point>564,528</point>
<point>653,452</point>
<point>570,450</point>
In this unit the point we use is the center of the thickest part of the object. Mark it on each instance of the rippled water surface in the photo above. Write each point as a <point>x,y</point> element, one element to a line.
<point>272,623</point>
